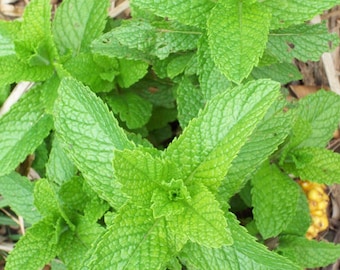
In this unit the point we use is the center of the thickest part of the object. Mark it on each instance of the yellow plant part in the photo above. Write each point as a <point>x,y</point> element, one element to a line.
<point>318,202</point>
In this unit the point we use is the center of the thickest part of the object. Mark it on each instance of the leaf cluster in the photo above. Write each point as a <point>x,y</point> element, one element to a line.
<point>117,190</point>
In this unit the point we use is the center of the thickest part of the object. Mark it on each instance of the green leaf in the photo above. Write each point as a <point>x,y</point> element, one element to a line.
<point>8,32</point>
<point>179,64</point>
<point>215,137</point>
<point>73,195</point>
<point>265,139</point>
<point>36,248</point>
<point>49,92</point>
<point>47,201</point>
<point>304,42</point>
<point>171,37</point>
<point>159,93</point>
<point>22,130</point>
<point>301,219</point>
<point>174,264</point>
<point>131,108</point>
<point>189,101</point>
<point>295,11</point>
<point>280,72</point>
<point>131,71</point>
<point>108,66</point>
<point>74,245</point>
<point>186,12</point>
<point>237,36</point>
<point>138,140</point>
<point>245,254</point>
<point>140,174</point>
<point>34,41</point>
<point>321,114</point>
<point>5,90</point>
<point>45,198</point>
<point>203,221</point>
<point>89,134</point>
<point>85,68</point>
<point>13,69</point>
<point>169,200</point>
<point>212,81</point>
<point>77,23</point>
<point>173,65</point>
<point>58,265</point>
<point>300,132</point>
<point>273,192</point>
<point>193,214</point>
<point>316,165</point>
<point>59,167</point>
<point>135,241</point>
<point>308,253</point>
<point>18,192</point>
<point>77,198</point>
<point>140,40</point>
<point>161,117</point>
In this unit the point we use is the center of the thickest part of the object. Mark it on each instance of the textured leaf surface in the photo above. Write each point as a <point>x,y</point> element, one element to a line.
<point>131,108</point>
<point>173,65</point>
<point>273,192</point>
<point>179,64</point>
<point>74,245</point>
<point>212,81</point>
<point>140,174</point>
<point>34,41</point>
<point>301,130</point>
<point>169,199</point>
<point>47,201</point>
<point>217,134</point>
<point>18,192</point>
<point>131,71</point>
<point>203,221</point>
<point>308,253</point>
<point>12,69</point>
<point>237,32</point>
<point>280,72</point>
<point>187,12</point>
<point>22,130</point>
<point>159,93</point>
<point>90,133</point>
<point>49,92</point>
<point>77,197</point>
<point>85,68</point>
<point>35,249</point>
<point>321,113</point>
<point>304,42</point>
<point>270,133</point>
<point>301,219</point>
<point>77,23</point>
<point>4,93</point>
<point>59,167</point>
<point>135,241</point>
<point>245,254</point>
<point>8,31</point>
<point>193,213</point>
<point>136,39</point>
<point>189,101</point>
<point>317,165</point>
<point>290,12</point>
<point>73,195</point>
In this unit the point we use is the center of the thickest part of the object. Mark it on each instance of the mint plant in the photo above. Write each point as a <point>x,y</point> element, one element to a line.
<point>117,190</point>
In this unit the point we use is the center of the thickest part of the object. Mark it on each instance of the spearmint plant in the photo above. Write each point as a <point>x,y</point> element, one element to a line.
<point>117,190</point>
